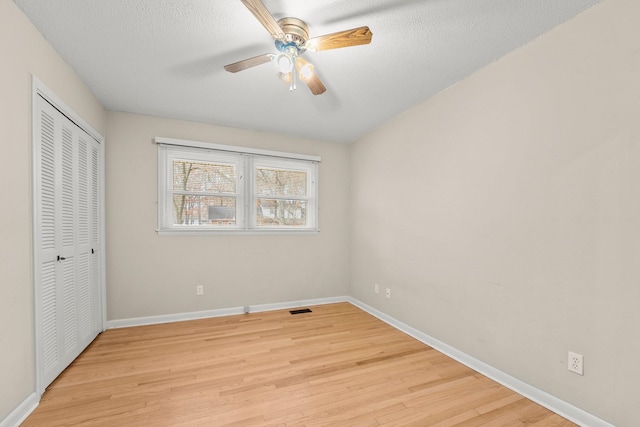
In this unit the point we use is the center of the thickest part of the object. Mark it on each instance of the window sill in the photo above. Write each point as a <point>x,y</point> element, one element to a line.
<point>267,232</point>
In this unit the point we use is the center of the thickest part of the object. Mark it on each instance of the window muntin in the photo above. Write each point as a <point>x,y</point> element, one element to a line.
<point>206,191</point>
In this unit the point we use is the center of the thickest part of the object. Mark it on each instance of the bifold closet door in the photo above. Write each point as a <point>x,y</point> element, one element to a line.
<point>66,240</point>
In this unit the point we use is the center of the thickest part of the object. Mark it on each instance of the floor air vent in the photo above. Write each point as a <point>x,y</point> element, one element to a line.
<point>302,310</point>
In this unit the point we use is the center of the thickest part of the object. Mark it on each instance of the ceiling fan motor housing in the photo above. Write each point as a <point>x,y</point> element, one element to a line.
<point>295,31</point>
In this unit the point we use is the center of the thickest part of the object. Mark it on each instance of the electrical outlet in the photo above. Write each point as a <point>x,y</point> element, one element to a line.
<point>388,293</point>
<point>199,290</point>
<point>376,288</point>
<point>575,363</point>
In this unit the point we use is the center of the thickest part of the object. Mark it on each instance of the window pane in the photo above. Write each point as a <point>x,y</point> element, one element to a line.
<point>280,182</point>
<point>201,176</point>
<point>278,213</point>
<point>204,210</point>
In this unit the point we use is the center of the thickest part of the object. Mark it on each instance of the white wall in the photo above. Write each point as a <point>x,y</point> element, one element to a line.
<point>151,275</point>
<point>23,52</point>
<point>504,213</point>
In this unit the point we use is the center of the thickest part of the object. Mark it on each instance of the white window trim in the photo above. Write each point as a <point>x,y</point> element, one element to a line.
<point>234,149</point>
<point>246,192</point>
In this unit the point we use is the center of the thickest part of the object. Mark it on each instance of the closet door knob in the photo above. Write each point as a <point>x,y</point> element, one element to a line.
<point>61,258</point>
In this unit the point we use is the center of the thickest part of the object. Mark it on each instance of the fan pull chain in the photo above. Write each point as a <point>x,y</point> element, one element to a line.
<point>292,81</point>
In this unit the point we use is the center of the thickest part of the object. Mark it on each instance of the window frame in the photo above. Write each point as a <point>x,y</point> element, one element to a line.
<point>283,164</point>
<point>165,211</point>
<point>246,160</point>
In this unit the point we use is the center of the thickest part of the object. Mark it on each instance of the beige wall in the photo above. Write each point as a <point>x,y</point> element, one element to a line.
<point>151,275</point>
<point>504,213</point>
<point>23,52</point>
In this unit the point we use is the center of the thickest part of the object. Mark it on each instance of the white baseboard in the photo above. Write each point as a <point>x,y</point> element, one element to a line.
<point>178,317</point>
<point>21,412</point>
<point>543,398</point>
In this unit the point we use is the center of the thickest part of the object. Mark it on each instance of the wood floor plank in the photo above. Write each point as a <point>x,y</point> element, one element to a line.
<point>336,366</point>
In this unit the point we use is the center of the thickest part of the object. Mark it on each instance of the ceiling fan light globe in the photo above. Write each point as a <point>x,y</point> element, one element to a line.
<point>306,71</point>
<point>285,63</point>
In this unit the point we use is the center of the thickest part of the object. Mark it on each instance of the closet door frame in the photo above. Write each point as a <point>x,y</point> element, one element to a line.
<point>40,90</point>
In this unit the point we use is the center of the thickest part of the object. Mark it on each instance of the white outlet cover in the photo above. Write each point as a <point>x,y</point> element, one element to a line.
<point>575,363</point>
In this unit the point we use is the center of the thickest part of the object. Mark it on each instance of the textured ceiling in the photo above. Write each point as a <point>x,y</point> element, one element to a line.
<point>166,57</point>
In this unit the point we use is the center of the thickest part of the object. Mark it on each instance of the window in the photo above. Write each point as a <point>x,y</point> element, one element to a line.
<point>221,189</point>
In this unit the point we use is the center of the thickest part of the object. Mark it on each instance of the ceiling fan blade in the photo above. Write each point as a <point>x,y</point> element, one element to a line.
<point>267,20</point>
<point>248,63</point>
<point>314,83</point>
<point>352,37</point>
<point>309,76</point>
<point>285,77</point>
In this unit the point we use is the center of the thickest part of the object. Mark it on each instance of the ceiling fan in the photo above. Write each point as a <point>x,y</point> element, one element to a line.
<point>292,40</point>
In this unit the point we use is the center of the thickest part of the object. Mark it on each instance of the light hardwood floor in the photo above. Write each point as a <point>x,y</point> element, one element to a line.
<point>336,366</point>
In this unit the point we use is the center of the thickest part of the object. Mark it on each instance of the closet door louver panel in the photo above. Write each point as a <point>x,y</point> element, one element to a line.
<point>68,305</point>
<point>83,240</point>
<point>68,205</point>
<point>47,163</point>
<point>68,238</point>
<point>49,320</point>
<point>95,267</point>
<point>70,322</point>
<point>83,192</point>
<point>47,191</point>
<point>84,297</point>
